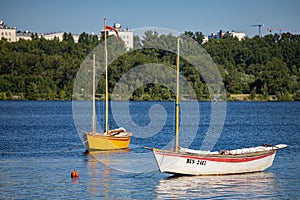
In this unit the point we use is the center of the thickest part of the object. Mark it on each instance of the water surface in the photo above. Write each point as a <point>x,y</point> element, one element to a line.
<point>40,146</point>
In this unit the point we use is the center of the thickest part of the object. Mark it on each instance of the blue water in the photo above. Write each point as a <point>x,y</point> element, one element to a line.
<point>40,146</point>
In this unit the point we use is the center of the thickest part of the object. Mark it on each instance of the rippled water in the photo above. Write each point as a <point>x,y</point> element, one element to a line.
<point>39,147</point>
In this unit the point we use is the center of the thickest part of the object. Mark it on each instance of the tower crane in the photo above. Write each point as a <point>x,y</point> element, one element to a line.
<point>259,28</point>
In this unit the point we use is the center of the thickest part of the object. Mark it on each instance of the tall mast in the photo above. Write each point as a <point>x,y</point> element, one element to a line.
<point>177,99</point>
<point>106,80</point>
<point>93,106</point>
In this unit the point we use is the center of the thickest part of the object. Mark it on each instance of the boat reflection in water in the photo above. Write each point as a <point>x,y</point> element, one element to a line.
<point>110,158</point>
<point>100,175</point>
<point>251,185</point>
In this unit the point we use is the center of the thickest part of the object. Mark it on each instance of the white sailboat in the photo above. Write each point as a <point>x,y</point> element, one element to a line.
<point>195,162</point>
<point>111,139</point>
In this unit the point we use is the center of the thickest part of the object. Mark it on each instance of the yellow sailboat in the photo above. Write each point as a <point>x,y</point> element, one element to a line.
<point>110,139</point>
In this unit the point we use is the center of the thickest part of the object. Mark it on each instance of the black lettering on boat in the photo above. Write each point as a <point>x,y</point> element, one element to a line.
<point>190,161</point>
<point>201,162</point>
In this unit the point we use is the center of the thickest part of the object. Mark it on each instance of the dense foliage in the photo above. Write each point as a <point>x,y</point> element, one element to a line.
<point>264,68</point>
<point>269,66</point>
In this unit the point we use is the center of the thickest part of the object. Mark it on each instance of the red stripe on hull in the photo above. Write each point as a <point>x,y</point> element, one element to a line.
<point>230,159</point>
<point>119,139</point>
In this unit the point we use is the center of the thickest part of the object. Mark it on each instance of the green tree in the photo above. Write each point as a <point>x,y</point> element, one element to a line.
<point>197,36</point>
<point>3,96</point>
<point>275,75</point>
<point>68,37</point>
<point>296,96</point>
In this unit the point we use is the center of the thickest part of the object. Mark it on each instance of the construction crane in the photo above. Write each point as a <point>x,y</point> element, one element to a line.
<point>259,28</point>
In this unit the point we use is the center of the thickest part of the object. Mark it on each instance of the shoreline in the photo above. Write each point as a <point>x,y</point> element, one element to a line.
<point>227,100</point>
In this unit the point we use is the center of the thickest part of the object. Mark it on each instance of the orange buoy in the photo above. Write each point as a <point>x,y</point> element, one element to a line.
<point>74,174</point>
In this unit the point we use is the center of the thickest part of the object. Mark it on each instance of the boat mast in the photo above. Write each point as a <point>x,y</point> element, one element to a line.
<point>93,106</point>
<point>106,80</point>
<point>177,99</point>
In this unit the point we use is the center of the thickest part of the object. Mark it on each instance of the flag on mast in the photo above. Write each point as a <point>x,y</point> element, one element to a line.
<point>113,29</point>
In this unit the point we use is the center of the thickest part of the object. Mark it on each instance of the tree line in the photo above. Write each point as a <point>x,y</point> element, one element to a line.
<point>266,68</point>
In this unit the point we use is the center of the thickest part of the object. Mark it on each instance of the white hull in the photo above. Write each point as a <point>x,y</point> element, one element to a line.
<point>212,164</point>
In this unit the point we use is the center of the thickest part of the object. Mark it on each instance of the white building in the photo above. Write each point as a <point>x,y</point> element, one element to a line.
<point>125,34</point>
<point>7,32</point>
<point>59,36</point>
<point>24,35</point>
<point>48,36</point>
<point>205,39</point>
<point>239,35</point>
<point>12,35</point>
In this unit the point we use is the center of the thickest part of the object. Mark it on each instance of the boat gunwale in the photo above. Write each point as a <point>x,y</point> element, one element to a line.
<point>108,136</point>
<point>218,155</point>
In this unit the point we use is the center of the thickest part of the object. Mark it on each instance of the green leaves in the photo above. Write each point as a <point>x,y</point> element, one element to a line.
<point>275,75</point>
<point>269,64</point>
<point>268,67</point>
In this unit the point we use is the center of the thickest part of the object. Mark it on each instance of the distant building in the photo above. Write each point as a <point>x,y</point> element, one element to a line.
<point>125,34</point>
<point>239,35</point>
<point>59,36</point>
<point>26,35</point>
<point>205,39</point>
<point>7,32</point>
<point>12,35</point>
<point>213,36</point>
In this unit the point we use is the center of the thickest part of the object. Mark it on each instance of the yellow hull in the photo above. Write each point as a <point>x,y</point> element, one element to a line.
<point>106,142</point>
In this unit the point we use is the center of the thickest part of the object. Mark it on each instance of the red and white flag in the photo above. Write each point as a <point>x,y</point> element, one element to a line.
<point>113,29</point>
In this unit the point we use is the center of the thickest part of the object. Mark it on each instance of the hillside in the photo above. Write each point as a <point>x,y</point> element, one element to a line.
<point>265,68</point>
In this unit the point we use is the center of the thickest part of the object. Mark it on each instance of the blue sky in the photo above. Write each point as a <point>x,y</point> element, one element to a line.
<point>76,16</point>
